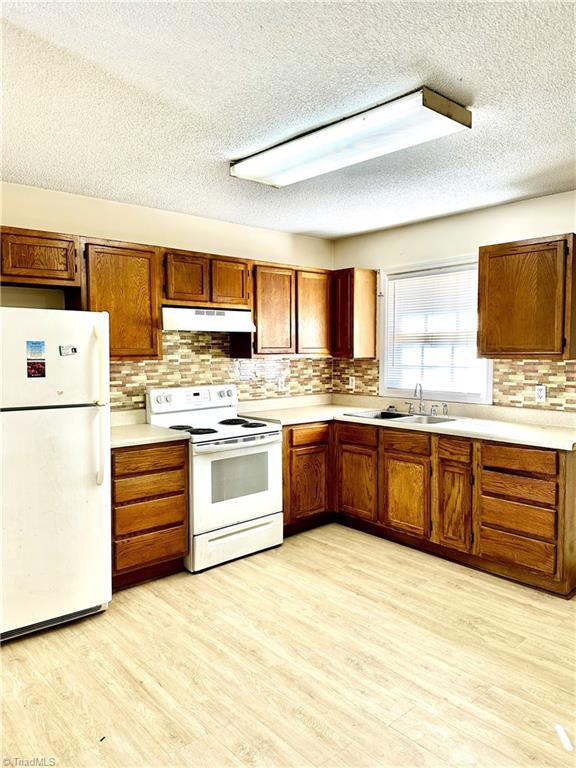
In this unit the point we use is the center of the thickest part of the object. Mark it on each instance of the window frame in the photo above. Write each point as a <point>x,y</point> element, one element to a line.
<point>384,276</point>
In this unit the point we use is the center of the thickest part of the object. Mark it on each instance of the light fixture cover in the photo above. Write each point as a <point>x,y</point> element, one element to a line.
<point>404,122</point>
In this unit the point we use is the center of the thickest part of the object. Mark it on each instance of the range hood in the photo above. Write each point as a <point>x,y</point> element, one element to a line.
<point>207,319</point>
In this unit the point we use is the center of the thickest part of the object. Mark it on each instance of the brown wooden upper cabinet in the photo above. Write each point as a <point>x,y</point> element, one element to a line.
<point>200,278</point>
<point>527,299</point>
<point>123,280</point>
<point>275,310</point>
<point>30,257</point>
<point>313,312</point>
<point>354,313</point>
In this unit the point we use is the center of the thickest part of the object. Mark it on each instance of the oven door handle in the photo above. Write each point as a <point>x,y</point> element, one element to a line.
<point>242,443</point>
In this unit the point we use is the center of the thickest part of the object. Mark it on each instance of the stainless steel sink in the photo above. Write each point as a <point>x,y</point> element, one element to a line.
<point>425,419</point>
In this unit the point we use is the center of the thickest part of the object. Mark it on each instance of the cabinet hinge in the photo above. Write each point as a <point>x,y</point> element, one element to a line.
<point>431,470</point>
<point>472,480</point>
<point>564,342</point>
<point>472,537</point>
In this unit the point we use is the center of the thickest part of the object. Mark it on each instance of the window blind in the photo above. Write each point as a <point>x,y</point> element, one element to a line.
<point>430,334</point>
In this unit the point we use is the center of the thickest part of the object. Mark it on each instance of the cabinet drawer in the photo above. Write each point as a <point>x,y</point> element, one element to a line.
<point>153,484</point>
<point>455,449</point>
<point>521,518</point>
<point>308,434</point>
<point>517,487</point>
<point>139,551</point>
<point>155,513</point>
<point>133,460</point>
<point>520,459</point>
<point>518,550</point>
<point>357,434</point>
<point>395,441</point>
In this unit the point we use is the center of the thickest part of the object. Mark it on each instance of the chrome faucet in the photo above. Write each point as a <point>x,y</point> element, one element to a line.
<point>410,405</point>
<point>434,410</point>
<point>419,393</point>
<point>444,409</point>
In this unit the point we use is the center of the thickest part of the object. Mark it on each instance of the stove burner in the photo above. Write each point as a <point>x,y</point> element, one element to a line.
<point>195,430</point>
<point>234,422</point>
<point>202,431</point>
<point>253,424</point>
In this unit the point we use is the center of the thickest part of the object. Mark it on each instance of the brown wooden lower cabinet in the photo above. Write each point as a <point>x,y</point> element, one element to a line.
<point>506,509</point>
<point>306,472</point>
<point>356,467</point>
<point>149,511</point>
<point>452,491</point>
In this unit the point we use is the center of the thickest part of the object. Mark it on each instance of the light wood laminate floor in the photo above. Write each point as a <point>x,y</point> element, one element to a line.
<point>336,650</point>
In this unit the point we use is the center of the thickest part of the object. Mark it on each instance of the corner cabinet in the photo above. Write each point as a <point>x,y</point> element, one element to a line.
<point>527,299</point>
<point>354,313</point>
<point>123,280</point>
<point>31,257</point>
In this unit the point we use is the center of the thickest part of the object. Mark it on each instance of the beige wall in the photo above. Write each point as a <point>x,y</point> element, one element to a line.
<point>37,208</point>
<point>460,235</point>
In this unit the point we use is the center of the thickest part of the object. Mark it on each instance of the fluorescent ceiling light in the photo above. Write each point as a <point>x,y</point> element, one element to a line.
<point>409,120</point>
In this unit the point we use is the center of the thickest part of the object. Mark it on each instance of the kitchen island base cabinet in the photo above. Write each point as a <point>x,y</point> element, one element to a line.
<point>149,511</point>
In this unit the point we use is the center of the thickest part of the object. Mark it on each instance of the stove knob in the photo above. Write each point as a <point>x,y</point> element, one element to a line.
<point>221,393</point>
<point>158,398</point>
<point>229,392</point>
<point>168,398</point>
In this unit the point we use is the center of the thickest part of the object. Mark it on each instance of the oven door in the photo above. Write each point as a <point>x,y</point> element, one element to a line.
<point>235,482</point>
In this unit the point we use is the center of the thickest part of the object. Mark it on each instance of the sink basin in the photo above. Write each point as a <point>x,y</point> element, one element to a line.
<point>426,419</point>
<point>378,415</point>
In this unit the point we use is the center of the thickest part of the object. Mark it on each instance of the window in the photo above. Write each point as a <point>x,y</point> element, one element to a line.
<point>429,323</point>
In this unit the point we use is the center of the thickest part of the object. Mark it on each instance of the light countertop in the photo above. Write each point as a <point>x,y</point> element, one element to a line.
<point>482,429</point>
<point>143,434</point>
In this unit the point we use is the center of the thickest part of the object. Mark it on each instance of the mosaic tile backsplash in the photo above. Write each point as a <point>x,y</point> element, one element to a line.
<point>192,358</point>
<point>204,358</point>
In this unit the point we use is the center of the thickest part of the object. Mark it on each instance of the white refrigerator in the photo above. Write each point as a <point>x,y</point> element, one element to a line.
<point>55,468</point>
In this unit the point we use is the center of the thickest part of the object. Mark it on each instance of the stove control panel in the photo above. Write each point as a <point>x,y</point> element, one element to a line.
<point>169,399</point>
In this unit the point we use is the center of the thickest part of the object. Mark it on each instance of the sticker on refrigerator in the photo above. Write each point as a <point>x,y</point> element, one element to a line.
<point>36,359</point>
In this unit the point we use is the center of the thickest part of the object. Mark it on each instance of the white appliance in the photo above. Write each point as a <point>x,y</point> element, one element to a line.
<point>235,472</point>
<point>55,433</point>
<point>207,319</point>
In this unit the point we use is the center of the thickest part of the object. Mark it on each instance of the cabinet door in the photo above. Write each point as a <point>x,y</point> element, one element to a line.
<point>453,506</point>
<point>309,481</point>
<point>40,258</point>
<point>406,505</point>
<point>313,312</point>
<point>123,281</point>
<point>522,299</point>
<point>358,480</point>
<point>187,276</point>
<point>275,310</point>
<point>230,282</point>
<point>343,311</point>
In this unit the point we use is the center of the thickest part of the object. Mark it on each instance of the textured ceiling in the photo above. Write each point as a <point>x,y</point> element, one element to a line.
<point>147,102</point>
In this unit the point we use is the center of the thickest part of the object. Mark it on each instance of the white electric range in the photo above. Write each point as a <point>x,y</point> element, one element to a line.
<point>235,472</point>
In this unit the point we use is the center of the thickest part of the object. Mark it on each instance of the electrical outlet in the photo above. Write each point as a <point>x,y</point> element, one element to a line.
<point>352,383</point>
<point>540,393</point>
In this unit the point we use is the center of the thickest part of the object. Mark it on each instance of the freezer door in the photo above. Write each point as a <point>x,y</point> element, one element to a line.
<point>52,357</point>
<point>55,496</point>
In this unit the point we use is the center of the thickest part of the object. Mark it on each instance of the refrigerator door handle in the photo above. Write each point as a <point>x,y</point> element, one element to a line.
<point>102,447</point>
<point>102,356</point>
